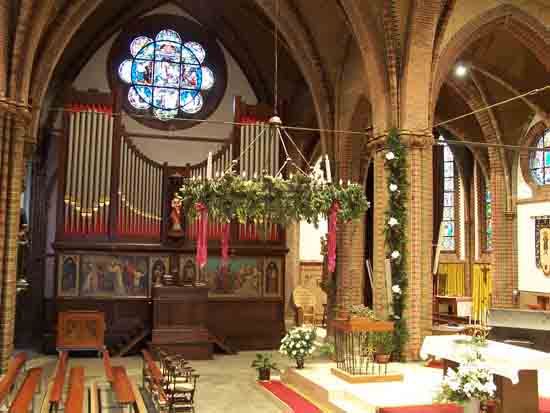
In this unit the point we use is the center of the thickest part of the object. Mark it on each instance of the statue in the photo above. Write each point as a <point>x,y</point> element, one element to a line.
<point>176,228</point>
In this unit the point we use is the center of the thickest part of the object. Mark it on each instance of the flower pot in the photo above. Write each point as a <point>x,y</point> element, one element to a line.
<point>344,315</point>
<point>382,358</point>
<point>264,374</point>
<point>471,406</point>
<point>299,363</point>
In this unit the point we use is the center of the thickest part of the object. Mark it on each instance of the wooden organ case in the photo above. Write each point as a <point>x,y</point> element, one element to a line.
<point>121,249</point>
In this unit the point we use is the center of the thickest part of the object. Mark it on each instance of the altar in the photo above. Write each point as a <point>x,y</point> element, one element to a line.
<point>515,368</point>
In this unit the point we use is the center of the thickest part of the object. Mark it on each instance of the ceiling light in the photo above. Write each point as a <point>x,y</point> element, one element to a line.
<point>461,70</point>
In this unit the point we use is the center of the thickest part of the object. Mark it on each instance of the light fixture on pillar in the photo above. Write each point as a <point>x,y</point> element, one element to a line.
<point>461,70</point>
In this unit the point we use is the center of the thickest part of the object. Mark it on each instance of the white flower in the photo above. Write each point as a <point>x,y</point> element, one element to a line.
<point>390,156</point>
<point>392,221</point>
<point>393,187</point>
<point>396,317</point>
<point>395,254</point>
<point>396,289</point>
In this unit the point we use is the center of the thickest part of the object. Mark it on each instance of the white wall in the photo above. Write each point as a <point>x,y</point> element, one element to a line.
<point>94,76</point>
<point>310,240</point>
<point>530,277</point>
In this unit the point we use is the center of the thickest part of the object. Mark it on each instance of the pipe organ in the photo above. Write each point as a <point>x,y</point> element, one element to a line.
<point>117,234</point>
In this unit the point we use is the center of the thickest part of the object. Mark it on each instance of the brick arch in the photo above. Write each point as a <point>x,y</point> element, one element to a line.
<point>526,28</point>
<point>291,29</point>
<point>370,44</point>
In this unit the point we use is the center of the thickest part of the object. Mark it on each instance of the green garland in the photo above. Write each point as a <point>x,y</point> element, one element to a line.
<point>396,237</point>
<point>278,200</point>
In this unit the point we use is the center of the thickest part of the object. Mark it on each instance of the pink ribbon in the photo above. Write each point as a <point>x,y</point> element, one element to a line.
<point>331,238</point>
<point>202,235</point>
<point>225,244</point>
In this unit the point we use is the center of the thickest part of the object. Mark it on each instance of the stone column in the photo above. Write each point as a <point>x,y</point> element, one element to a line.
<point>418,312</point>
<point>12,124</point>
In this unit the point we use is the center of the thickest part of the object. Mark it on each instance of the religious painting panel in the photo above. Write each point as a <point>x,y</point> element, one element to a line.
<point>67,275</point>
<point>159,266</point>
<point>241,277</point>
<point>114,276</point>
<point>273,279</point>
<point>542,243</point>
<point>188,271</point>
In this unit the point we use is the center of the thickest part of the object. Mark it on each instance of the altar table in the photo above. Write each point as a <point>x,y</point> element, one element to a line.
<point>515,368</point>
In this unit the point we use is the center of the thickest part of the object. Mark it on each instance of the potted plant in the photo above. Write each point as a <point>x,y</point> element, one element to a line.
<point>328,350</point>
<point>361,311</point>
<point>264,364</point>
<point>298,344</point>
<point>383,345</point>
<point>471,385</point>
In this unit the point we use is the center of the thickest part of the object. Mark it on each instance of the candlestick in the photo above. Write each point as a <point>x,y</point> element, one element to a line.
<point>327,167</point>
<point>209,166</point>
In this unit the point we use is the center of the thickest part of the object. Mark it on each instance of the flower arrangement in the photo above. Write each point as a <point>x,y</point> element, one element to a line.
<point>272,198</point>
<point>472,381</point>
<point>264,364</point>
<point>361,311</point>
<point>298,344</point>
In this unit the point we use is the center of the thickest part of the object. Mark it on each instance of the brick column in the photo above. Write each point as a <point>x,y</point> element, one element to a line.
<point>504,254</point>
<point>418,311</point>
<point>11,176</point>
<point>292,264</point>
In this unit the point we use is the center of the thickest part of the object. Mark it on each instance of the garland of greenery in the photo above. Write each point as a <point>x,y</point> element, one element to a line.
<point>396,221</point>
<point>274,199</point>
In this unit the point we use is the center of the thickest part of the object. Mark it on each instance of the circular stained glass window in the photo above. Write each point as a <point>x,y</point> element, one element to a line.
<point>167,75</point>
<point>539,161</point>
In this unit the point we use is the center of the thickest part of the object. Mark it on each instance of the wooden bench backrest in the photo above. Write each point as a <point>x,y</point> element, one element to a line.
<point>24,397</point>
<point>14,366</point>
<point>75,398</point>
<point>57,388</point>
<point>152,366</point>
<point>122,386</point>
<point>107,365</point>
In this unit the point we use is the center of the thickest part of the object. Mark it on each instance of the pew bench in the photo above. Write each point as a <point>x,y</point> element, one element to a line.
<point>57,389</point>
<point>9,381</point>
<point>154,381</point>
<point>119,382</point>
<point>23,401</point>
<point>75,397</point>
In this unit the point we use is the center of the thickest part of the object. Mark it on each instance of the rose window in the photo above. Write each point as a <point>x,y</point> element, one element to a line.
<point>166,75</point>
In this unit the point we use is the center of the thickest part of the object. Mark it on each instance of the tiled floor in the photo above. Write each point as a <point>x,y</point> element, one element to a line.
<point>226,384</point>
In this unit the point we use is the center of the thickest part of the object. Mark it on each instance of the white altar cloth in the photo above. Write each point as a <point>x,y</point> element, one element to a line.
<point>503,359</point>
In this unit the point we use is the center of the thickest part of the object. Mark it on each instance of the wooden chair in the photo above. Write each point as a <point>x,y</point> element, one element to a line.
<point>9,381</point>
<point>119,382</point>
<point>25,396</point>
<point>304,302</point>
<point>57,388</point>
<point>181,387</point>
<point>75,397</point>
<point>153,381</point>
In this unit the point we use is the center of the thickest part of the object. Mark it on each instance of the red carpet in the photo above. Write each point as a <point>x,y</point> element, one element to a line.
<point>544,405</point>
<point>434,408</point>
<point>435,364</point>
<point>289,397</point>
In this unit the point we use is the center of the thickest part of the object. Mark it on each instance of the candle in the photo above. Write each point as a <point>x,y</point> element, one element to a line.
<point>244,174</point>
<point>327,167</point>
<point>209,166</point>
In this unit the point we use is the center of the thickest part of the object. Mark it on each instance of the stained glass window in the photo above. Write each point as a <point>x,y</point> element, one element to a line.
<point>167,76</point>
<point>539,161</point>
<point>488,221</point>
<point>448,220</point>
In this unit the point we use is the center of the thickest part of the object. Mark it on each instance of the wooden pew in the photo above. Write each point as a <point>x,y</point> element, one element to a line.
<point>7,384</point>
<point>75,398</point>
<point>119,382</point>
<point>59,381</point>
<point>23,401</point>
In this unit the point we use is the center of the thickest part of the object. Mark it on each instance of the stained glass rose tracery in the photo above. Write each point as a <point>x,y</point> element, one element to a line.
<point>166,75</point>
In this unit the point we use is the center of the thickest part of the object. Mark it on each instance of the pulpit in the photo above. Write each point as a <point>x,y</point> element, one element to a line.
<point>180,315</point>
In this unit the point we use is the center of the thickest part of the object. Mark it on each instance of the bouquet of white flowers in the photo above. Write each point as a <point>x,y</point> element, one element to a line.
<point>298,344</point>
<point>472,381</point>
